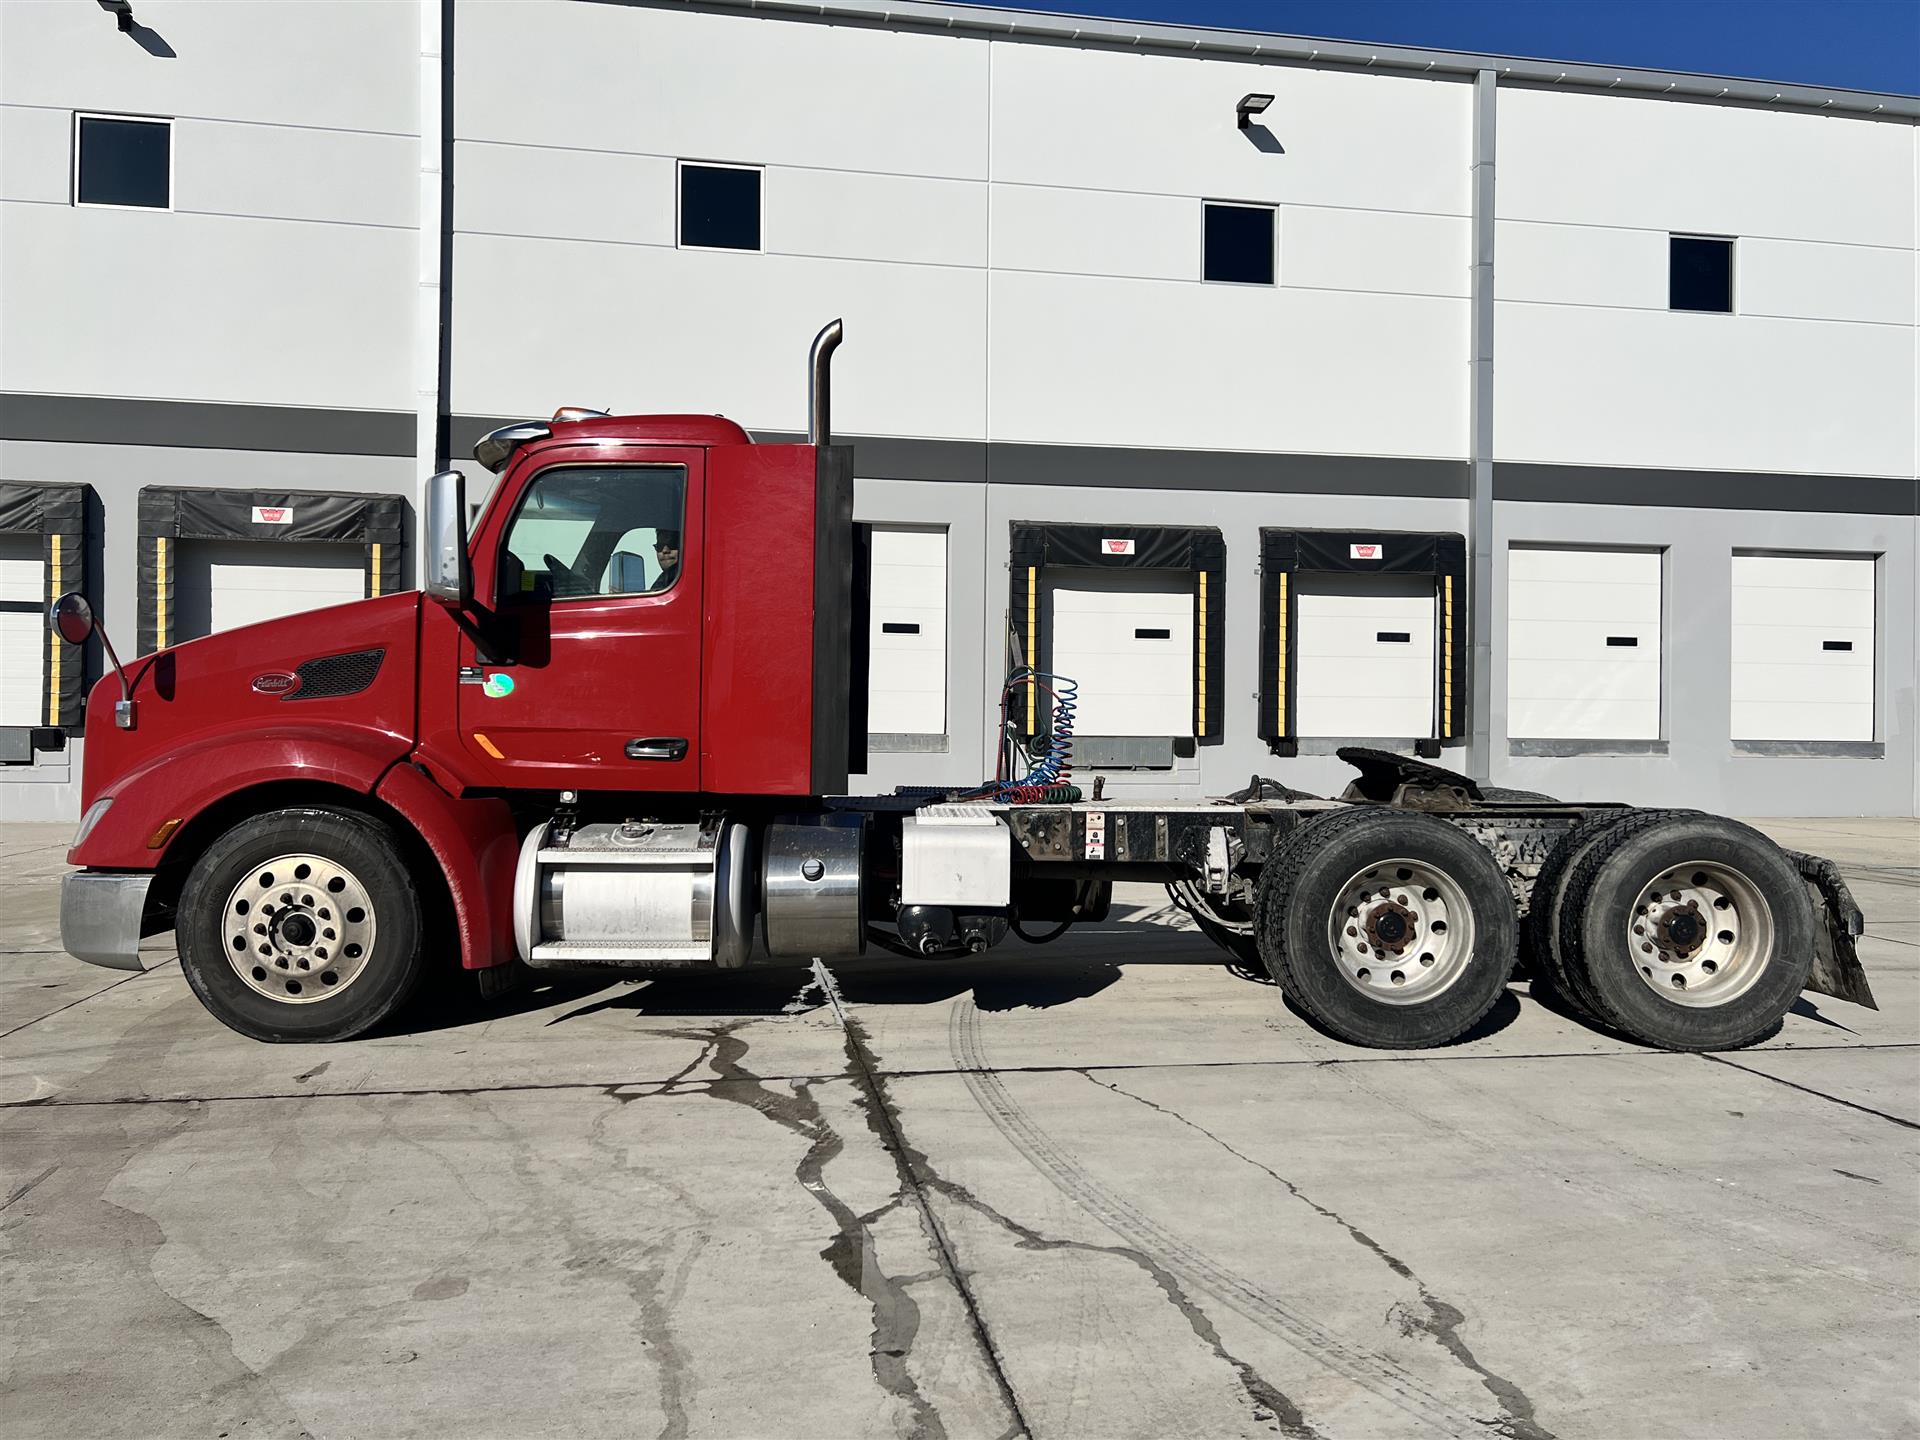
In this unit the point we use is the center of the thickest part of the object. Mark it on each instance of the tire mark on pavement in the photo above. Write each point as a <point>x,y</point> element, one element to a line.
<point>1380,1375</point>
<point>1443,1320</point>
<point>20,1192</point>
<point>919,1174</point>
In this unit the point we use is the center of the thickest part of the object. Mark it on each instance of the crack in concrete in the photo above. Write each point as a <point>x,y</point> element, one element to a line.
<point>918,1176</point>
<point>683,1086</point>
<point>914,1172</point>
<point>93,995</point>
<point>852,1252</point>
<point>1262,1392</point>
<point>1442,1321</point>
<point>657,1305</point>
<point>590,1254</point>
<point>1818,1094</point>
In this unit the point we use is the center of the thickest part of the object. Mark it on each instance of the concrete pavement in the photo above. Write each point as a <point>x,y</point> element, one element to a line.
<point>1104,1188</point>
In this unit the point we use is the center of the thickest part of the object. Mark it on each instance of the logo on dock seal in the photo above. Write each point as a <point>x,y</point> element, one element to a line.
<point>497,685</point>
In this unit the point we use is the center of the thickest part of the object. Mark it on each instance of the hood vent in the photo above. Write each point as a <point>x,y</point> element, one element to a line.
<point>336,675</point>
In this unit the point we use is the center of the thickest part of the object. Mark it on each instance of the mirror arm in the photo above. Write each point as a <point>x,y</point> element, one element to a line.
<point>123,708</point>
<point>486,629</point>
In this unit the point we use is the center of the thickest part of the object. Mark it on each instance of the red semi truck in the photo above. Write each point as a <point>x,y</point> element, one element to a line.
<point>614,733</point>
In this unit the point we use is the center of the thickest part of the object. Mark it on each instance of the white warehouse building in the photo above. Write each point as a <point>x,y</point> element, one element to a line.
<point>1556,421</point>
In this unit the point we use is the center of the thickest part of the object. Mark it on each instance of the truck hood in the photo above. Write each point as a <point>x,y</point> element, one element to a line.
<point>346,670</point>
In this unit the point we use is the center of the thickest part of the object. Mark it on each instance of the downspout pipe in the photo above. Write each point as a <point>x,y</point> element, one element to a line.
<point>820,383</point>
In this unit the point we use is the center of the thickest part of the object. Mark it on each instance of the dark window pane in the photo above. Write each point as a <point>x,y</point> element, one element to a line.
<point>585,532</point>
<point>1238,244</point>
<point>123,162</point>
<point>719,208</point>
<point>1700,274</point>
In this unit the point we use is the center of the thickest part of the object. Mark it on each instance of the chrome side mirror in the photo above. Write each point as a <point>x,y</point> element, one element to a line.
<point>449,577</point>
<point>71,618</point>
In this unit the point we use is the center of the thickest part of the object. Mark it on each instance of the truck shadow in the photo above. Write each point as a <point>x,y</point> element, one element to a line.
<point>1012,977</point>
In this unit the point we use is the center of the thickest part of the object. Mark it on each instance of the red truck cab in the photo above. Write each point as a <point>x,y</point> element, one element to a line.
<point>647,605</point>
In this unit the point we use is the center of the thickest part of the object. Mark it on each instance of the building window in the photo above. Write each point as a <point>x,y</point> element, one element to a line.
<point>1700,273</point>
<point>719,207</point>
<point>123,160</point>
<point>1237,246</point>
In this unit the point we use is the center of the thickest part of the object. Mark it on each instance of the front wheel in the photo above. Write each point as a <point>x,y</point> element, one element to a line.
<point>300,925</point>
<point>1389,928</point>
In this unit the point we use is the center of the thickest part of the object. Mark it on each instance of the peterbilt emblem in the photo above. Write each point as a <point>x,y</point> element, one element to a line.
<point>276,682</point>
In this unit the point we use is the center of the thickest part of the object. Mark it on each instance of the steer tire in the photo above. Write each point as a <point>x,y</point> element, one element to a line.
<point>301,925</point>
<point>1460,963</point>
<point>1750,926</point>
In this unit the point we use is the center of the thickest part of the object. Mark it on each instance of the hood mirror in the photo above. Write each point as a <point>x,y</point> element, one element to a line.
<point>449,577</point>
<point>71,618</point>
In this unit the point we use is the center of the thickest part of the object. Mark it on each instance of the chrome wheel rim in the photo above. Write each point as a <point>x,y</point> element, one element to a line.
<point>1700,934</point>
<point>1401,932</point>
<point>298,929</point>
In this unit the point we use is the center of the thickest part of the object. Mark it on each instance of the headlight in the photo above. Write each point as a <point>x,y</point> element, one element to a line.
<point>88,821</point>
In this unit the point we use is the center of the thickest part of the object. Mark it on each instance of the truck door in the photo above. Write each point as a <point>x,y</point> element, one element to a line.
<point>596,589</point>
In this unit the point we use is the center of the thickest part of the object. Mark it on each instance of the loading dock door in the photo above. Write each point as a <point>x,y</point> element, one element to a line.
<point>1802,647</point>
<point>1583,644</point>
<point>1366,656</point>
<point>23,631</point>
<point>907,636</point>
<point>224,584</point>
<point>1126,637</point>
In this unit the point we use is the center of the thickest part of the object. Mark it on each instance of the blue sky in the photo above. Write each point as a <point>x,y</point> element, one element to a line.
<point>1858,44</point>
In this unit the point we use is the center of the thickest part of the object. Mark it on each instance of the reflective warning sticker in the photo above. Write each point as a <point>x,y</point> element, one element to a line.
<point>1096,835</point>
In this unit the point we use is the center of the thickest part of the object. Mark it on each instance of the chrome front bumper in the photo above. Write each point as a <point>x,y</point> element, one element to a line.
<point>100,917</point>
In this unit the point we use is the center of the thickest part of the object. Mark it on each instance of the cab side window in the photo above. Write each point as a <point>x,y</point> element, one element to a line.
<point>587,531</point>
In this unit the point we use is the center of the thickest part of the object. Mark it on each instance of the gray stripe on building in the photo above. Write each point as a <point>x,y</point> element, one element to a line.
<point>1707,489</point>
<point>204,425</point>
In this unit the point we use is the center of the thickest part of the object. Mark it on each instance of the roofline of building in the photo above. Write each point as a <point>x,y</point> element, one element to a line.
<point>1203,42</point>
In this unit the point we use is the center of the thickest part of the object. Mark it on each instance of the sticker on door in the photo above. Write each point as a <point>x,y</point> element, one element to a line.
<point>1366,552</point>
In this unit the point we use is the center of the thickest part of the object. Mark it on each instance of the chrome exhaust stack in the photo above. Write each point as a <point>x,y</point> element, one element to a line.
<point>820,383</point>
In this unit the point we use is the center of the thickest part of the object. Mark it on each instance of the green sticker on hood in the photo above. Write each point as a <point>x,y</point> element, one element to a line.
<point>497,685</point>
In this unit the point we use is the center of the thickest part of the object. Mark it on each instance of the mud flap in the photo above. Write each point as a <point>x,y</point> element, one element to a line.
<point>1837,970</point>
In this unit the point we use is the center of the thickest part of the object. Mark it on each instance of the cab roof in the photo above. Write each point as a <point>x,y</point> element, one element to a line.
<point>497,447</point>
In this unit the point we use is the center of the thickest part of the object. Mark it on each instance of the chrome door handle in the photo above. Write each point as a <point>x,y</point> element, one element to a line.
<point>669,747</point>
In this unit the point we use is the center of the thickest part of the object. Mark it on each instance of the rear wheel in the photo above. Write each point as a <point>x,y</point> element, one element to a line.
<point>1389,928</point>
<point>1544,932</point>
<point>1689,932</point>
<point>301,924</point>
